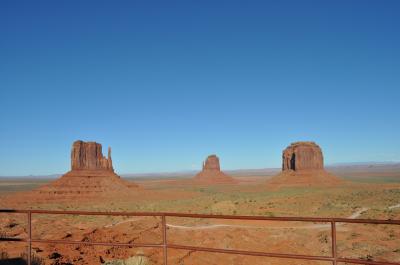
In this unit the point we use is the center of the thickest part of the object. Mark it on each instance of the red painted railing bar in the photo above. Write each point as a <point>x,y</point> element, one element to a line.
<point>366,221</point>
<point>278,255</point>
<point>213,216</point>
<point>251,253</point>
<point>165,243</point>
<point>333,236</point>
<point>364,262</point>
<point>333,258</point>
<point>250,218</point>
<point>29,254</point>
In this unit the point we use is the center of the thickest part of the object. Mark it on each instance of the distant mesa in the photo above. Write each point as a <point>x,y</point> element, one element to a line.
<point>89,156</point>
<point>302,156</point>
<point>303,165</point>
<point>211,163</point>
<point>91,174</point>
<point>211,172</point>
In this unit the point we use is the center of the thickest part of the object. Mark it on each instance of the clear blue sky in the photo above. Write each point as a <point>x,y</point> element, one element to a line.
<point>166,83</point>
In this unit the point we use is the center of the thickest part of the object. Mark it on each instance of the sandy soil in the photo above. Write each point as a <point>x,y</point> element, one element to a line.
<point>249,196</point>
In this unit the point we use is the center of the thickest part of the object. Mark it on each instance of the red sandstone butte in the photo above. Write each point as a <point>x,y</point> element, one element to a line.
<point>89,156</point>
<point>302,156</point>
<point>91,174</point>
<point>211,173</point>
<point>303,165</point>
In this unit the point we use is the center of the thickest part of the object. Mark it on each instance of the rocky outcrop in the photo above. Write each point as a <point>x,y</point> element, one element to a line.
<point>211,172</point>
<point>89,156</point>
<point>211,163</point>
<point>302,156</point>
<point>303,165</point>
<point>91,174</point>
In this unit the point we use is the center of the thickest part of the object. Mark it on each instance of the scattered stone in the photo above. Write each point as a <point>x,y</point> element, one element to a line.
<point>67,235</point>
<point>37,250</point>
<point>12,224</point>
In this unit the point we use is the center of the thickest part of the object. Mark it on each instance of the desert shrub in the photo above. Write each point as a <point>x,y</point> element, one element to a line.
<point>367,257</point>
<point>3,234</point>
<point>23,260</point>
<point>35,260</point>
<point>12,224</point>
<point>3,255</point>
<point>269,214</point>
<point>323,238</point>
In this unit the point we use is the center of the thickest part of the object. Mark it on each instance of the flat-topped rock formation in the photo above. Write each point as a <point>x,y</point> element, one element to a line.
<point>89,156</point>
<point>303,165</point>
<point>211,163</point>
<point>91,174</point>
<point>211,172</point>
<point>302,156</point>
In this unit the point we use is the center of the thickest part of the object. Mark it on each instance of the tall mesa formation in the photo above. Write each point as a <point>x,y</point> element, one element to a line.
<point>91,174</point>
<point>303,165</point>
<point>89,156</point>
<point>302,156</point>
<point>211,163</point>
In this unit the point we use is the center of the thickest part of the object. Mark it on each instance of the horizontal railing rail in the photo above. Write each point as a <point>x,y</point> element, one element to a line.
<point>333,258</point>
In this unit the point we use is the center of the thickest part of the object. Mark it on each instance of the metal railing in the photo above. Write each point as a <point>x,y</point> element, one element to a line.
<point>333,258</point>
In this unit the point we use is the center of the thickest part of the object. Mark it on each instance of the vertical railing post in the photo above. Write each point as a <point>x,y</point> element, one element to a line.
<point>29,237</point>
<point>164,230</point>
<point>334,251</point>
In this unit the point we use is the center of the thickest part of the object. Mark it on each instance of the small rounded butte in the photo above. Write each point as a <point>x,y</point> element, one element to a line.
<point>211,172</point>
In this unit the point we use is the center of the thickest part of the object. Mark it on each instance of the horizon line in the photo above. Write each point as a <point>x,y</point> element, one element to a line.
<point>195,170</point>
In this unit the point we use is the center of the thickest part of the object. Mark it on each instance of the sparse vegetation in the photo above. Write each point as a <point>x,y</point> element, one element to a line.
<point>5,259</point>
<point>323,238</point>
<point>35,260</point>
<point>248,199</point>
<point>3,234</point>
<point>135,260</point>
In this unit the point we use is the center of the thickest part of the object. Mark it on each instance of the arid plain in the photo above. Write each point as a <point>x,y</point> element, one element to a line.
<point>370,191</point>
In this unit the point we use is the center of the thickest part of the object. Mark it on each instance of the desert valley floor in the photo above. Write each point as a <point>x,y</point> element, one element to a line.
<point>361,195</point>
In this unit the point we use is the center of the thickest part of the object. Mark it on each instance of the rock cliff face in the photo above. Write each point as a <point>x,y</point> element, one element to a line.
<point>302,156</point>
<point>89,156</point>
<point>303,165</point>
<point>211,173</point>
<point>211,163</point>
<point>91,174</point>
